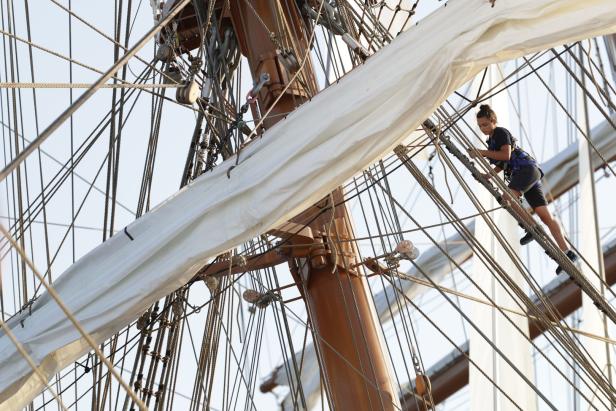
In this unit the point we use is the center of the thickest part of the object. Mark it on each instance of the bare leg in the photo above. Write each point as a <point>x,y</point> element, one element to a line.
<point>514,202</point>
<point>545,216</point>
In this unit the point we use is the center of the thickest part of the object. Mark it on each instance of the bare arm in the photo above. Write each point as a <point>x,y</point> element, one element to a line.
<point>504,154</point>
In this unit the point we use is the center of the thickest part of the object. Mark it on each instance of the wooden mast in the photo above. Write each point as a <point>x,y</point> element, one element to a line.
<point>342,318</point>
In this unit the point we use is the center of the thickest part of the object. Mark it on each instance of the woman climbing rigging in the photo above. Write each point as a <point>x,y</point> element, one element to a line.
<point>522,172</point>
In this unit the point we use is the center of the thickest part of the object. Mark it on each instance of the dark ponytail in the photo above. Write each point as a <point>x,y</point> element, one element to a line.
<point>486,111</point>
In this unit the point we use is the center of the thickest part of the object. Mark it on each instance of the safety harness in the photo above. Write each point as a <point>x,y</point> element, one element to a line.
<point>519,158</point>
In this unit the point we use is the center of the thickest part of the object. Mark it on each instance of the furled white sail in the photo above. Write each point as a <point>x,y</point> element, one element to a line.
<point>301,159</point>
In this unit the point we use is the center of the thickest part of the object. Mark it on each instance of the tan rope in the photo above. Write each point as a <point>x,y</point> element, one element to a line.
<point>19,158</point>
<point>84,85</point>
<point>91,26</point>
<point>55,53</point>
<point>53,293</point>
<point>485,302</point>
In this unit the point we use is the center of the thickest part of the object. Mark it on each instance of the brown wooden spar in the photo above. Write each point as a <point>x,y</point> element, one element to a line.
<point>342,318</point>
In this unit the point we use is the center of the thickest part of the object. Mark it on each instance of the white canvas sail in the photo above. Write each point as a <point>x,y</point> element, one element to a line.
<point>319,146</point>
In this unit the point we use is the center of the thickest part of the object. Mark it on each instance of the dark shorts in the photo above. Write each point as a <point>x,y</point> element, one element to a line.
<point>527,180</point>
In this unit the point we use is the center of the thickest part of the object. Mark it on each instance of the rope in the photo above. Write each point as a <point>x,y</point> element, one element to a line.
<point>14,147</point>
<point>565,340</point>
<point>481,253</point>
<point>36,125</point>
<point>87,94</point>
<point>49,51</point>
<point>291,80</point>
<point>355,306</point>
<point>55,183</point>
<point>85,85</point>
<point>524,218</point>
<point>338,354</point>
<point>496,231</point>
<point>469,297</point>
<point>402,308</point>
<point>470,360</point>
<point>118,44</point>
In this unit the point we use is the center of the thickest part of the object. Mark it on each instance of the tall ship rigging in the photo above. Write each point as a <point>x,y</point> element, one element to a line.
<point>299,225</point>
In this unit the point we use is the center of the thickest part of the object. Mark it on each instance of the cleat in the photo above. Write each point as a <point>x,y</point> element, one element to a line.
<point>572,256</point>
<point>528,237</point>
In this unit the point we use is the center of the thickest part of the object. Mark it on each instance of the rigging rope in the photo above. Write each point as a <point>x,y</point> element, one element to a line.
<point>470,297</point>
<point>495,230</point>
<point>479,251</point>
<point>89,92</point>
<point>103,34</point>
<point>84,85</point>
<point>521,295</point>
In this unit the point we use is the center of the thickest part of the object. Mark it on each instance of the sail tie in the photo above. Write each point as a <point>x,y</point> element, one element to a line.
<point>128,234</point>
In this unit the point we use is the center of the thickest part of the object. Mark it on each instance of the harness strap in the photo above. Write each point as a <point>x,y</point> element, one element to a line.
<point>520,158</point>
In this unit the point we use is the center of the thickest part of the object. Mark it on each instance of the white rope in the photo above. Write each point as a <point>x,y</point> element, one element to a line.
<point>84,85</point>
<point>49,51</point>
<point>485,302</point>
